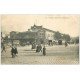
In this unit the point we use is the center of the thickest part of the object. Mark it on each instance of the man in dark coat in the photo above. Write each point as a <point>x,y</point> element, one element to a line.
<point>66,44</point>
<point>44,51</point>
<point>37,48</point>
<point>14,51</point>
<point>40,48</point>
<point>3,49</point>
<point>33,45</point>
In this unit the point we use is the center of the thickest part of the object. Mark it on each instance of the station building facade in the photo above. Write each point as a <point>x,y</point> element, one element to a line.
<point>36,34</point>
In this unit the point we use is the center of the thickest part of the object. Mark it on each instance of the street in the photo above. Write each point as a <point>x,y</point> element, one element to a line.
<point>56,54</point>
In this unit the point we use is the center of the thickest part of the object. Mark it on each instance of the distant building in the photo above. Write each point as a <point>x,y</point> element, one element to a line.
<point>43,35</point>
<point>36,34</point>
<point>49,36</point>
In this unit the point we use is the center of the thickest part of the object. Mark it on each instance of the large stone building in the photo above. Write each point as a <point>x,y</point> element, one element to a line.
<point>36,34</point>
<point>43,35</point>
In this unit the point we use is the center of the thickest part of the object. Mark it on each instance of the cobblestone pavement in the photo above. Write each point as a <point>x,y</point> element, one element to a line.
<point>54,55</point>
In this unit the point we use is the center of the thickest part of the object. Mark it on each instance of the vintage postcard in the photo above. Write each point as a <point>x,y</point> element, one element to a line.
<point>40,39</point>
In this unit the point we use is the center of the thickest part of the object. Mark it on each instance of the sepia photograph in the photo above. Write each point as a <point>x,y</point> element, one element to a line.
<point>40,39</point>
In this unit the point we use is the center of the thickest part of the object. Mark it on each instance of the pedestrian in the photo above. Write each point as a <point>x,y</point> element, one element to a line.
<point>14,51</point>
<point>66,44</point>
<point>33,45</point>
<point>40,48</point>
<point>3,48</point>
<point>37,48</point>
<point>44,51</point>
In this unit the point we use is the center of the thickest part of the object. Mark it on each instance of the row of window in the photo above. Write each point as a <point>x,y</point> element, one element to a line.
<point>49,35</point>
<point>42,34</point>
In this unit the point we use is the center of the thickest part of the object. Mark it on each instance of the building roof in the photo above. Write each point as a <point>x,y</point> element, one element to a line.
<point>36,26</point>
<point>49,30</point>
<point>40,27</point>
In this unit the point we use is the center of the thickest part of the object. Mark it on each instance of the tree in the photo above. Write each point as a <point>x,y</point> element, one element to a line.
<point>66,37</point>
<point>57,35</point>
<point>75,40</point>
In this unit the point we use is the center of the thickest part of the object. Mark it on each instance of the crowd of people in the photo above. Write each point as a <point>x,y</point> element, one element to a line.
<point>14,50</point>
<point>38,48</point>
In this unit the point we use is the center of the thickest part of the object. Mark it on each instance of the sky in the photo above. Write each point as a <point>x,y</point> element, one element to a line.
<point>68,24</point>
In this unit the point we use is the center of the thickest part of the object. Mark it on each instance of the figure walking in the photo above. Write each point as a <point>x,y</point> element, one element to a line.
<point>14,51</point>
<point>39,48</point>
<point>66,44</point>
<point>44,51</point>
<point>3,48</point>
